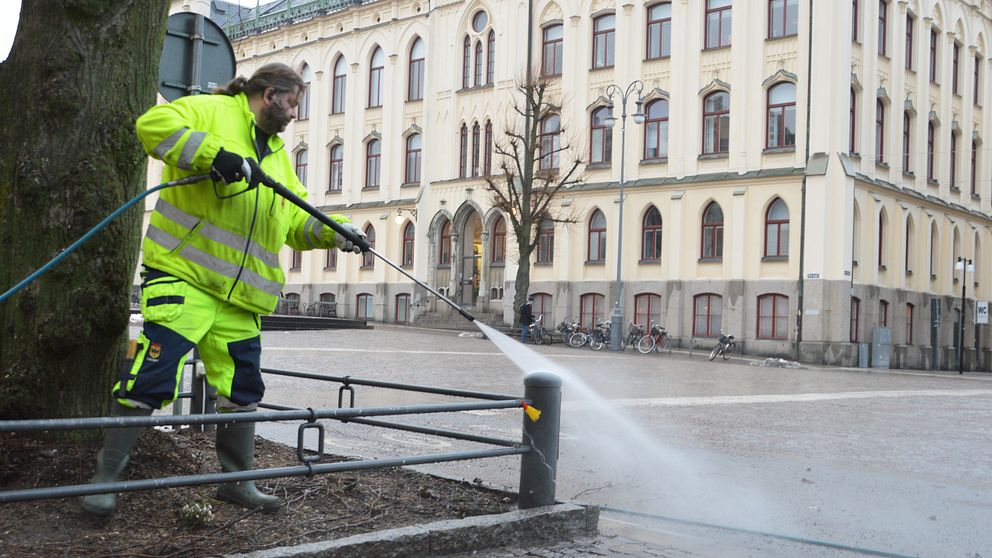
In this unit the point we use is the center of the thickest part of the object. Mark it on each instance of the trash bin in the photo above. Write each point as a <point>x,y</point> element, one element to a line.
<point>862,355</point>
<point>881,347</point>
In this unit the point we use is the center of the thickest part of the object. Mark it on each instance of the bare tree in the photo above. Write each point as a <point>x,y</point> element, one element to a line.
<point>531,176</point>
<point>78,75</point>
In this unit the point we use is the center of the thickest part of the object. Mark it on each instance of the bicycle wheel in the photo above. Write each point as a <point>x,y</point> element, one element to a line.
<point>577,339</point>
<point>664,344</point>
<point>597,342</point>
<point>546,338</point>
<point>729,351</point>
<point>715,351</point>
<point>646,344</point>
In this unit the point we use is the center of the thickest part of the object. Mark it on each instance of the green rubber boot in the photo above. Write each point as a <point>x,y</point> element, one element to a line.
<point>236,452</point>
<point>111,460</point>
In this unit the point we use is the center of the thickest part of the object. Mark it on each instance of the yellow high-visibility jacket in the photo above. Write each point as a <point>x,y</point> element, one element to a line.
<point>224,242</point>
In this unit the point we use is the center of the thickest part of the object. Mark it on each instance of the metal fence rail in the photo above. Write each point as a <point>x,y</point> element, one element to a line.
<point>538,449</point>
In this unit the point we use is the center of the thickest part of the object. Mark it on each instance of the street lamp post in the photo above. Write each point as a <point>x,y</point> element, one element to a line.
<point>965,267</point>
<point>636,86</point>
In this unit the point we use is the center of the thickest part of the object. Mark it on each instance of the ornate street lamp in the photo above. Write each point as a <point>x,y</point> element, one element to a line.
<point>636,86</point>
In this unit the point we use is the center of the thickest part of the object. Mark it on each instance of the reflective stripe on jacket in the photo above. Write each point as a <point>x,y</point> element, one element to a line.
<point>228,246</point>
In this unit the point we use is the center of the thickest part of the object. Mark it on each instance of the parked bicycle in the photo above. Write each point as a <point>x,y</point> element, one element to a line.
<point>634,334</point>
<point>570,333</point>
<point>657,339</point>
<point>539,335</point>
<point>725,347</point>
<point>599,337</point>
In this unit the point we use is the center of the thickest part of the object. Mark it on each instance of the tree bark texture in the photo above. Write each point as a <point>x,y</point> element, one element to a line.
<point>80,72</point>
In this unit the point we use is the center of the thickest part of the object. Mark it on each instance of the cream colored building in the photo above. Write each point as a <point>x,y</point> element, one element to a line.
<point>880,97</point>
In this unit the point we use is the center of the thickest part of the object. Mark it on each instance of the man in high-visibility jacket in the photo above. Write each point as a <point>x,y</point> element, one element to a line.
<point>211,257</point>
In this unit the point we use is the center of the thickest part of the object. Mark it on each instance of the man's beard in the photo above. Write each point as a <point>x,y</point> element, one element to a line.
<point>273,119</point>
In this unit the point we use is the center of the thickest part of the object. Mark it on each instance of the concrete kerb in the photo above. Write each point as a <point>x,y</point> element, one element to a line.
<point>518,528</point>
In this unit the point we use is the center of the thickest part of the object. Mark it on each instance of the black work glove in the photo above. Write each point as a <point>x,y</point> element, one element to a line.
<point>230,167</point>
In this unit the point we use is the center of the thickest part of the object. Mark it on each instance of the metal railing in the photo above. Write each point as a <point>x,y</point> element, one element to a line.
<point>538,447</point>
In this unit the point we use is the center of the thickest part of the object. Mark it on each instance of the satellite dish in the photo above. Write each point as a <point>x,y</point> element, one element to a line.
<point>196,58</point>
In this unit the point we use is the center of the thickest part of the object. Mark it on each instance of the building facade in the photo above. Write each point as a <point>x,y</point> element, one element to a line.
<point>798,180</point>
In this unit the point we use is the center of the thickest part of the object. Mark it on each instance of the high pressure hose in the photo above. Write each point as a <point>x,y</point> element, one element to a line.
<point>100,226</point>
<point>257,175</point>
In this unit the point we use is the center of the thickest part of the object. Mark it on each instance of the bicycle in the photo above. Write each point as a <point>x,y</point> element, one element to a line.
<point>656,340</point>
<point>570,334</point>
<point>634,334</point>
<point>539,334</point>
<point>600,336</point>
<point>725,347</point>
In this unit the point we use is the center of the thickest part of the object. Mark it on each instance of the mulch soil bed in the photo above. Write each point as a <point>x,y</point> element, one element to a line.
<point>188,522</point>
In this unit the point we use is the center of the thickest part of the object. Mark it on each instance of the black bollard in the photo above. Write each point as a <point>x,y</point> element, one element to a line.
<point>539,466</point>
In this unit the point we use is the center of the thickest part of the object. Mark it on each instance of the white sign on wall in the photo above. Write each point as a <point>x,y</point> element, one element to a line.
<point>981,311</point>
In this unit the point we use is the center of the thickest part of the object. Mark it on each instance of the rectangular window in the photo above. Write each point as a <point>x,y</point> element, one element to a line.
<point>604,28</point>
<point>883,14</point>
<point>297,262</point>
<point>955,67</point>
<point>909,324</point>
<point>659,31</point>
<point>331,260</point>
<point>910,23</point>
<point>976,82</point>
<point>402,308</point>
<point>546,243</point>
<point>933,55</point>
<point>854,21</point>
<point>718,20</point>
<point>551,56</point>
<point>364,307</point>
<point>707,319</point>
<point>337,105</point>
<point>783,18</point>
<point>416,90</point>
<point>773,317</point>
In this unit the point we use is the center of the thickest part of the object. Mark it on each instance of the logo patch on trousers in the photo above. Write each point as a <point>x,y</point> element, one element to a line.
<point>154,350</point>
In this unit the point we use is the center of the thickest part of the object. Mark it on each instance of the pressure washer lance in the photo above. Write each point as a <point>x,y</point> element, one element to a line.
<point>258,174</point>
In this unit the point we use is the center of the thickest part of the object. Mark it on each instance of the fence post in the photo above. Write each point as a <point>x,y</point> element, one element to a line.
<point>539,466</point>
<point>203,393</point>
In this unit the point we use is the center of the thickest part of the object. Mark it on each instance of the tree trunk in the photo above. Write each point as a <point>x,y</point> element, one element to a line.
<point>79,73</point>
<point>521,285</point>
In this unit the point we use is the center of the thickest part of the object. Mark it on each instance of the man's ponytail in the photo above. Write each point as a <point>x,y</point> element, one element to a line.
<point>276,75</point>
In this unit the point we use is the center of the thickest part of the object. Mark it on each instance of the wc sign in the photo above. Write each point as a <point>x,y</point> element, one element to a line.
<point>981,311</point>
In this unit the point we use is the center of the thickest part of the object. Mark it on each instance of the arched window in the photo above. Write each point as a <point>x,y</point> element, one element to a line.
<point>402,308</point>
<point>910,241</point>
<point>463,152</point>
<point>596,251</point>
<point>415,87</point>
<point>293,303</point>
<point>544,307</point>
<point>491,57</point>
<point>953,162</point>
<point>475,149</point>
<point>368,260</point>
<point>718,21</point>
<point>601,137</point>
<point>375,78</point>
<point>659,30</point>
<point>852,122</point>
<point>478,64</point>
<point>487,166</point>
<point>373,153</point>
<point>777,229</point>
<point>855,317</point>
<point>651,236</point>
<point>879,131</point>
<point>497,252</point>
<point>303,109</point>
<point>907,131</point>
<point>931,133</point>
<point>656,130</point>
<point>783,18</point>
<point>712,234</point>
<point>546,242</point>
<point>337,169</point>
<point>647,308</point>
<point>591,306</point>
<point>707,315</point>
<point>301,166</point>
<point>909,323</point>
<point>973,174</point>
<point>444,244</point>
<point>551,51</point>
<point>881,239</point>
<point>413,147</point>
<point>603,30</point>
<point>716,123</point>
<point>550,142</point>
<point>408,241</point>
<point>364,307</point>
<point>781,116</point>
<point>933,251</point>
<point>466,63</point>
<point>773,316</point>
<point>340,82</point>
